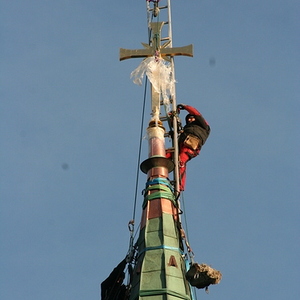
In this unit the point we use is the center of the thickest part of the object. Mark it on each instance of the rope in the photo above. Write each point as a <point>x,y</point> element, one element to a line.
<point>132,222</point>
<point>190,250</point>
<point>140,143</point>
<point>186,233</point>
<point>131,251</point>
<point>139,152</point>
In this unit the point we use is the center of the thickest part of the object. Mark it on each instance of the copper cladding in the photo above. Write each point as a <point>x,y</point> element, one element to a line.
<point>156,147</point>
<point>158,172</point>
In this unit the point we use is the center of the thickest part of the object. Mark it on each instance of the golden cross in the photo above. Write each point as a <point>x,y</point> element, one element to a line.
<point>156,48</point>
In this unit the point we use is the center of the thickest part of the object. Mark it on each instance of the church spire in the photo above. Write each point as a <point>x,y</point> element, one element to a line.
<point>160,266</point>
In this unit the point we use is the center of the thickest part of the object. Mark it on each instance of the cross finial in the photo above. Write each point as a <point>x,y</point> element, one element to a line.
<point>155,48</point>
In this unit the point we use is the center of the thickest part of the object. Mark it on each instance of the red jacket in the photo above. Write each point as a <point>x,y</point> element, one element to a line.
<point>199,128</point>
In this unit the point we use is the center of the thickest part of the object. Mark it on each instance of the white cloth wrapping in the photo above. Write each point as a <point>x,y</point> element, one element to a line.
<point>159,73</point>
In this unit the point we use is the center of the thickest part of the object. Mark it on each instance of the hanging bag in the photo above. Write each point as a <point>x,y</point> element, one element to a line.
<point>192,142</point>
<point>202,275</point>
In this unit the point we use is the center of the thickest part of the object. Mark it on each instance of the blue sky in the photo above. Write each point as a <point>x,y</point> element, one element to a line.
<point>70,124</point>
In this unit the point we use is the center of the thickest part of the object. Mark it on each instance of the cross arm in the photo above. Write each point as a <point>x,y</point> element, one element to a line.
<point>128,53</point>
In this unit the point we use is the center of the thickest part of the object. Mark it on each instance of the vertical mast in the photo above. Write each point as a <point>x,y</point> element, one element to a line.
<point>159,272</point>
<point>160,47</point>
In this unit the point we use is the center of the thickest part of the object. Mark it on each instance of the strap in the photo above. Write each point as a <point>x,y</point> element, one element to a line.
<point>160,247</point>
<point>160,194</point>
<point>159,180</point>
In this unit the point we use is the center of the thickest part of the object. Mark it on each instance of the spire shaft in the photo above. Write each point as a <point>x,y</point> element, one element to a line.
<point>160,267</point>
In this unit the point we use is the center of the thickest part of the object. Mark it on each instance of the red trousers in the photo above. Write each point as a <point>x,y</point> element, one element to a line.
<point>185,154</point>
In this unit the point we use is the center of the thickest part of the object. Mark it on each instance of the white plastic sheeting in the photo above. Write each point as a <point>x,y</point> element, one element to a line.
<point>155,132</point>
<point>159,73</point>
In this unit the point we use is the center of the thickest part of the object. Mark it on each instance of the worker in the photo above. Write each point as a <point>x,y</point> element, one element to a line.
<point>191,139</point>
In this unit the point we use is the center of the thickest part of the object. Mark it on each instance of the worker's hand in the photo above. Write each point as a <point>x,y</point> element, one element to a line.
<point>180,106</point>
